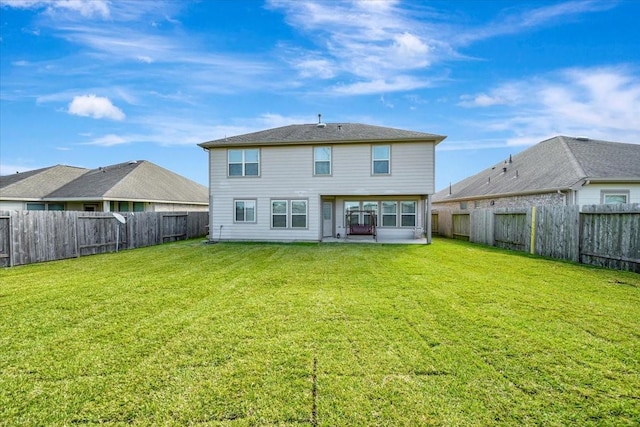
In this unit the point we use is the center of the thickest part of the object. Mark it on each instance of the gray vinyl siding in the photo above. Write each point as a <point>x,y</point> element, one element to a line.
<point>286,172</point>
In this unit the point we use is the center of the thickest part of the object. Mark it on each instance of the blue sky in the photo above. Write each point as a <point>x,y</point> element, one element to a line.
<point>93,83</point>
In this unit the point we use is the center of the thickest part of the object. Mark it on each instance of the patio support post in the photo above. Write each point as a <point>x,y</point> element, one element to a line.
<point>428,219</point>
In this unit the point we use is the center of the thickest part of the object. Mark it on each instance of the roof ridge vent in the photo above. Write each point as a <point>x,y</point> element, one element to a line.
<point>582,138</point>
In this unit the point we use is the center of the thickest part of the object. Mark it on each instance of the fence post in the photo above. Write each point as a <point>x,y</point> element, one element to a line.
<point>532,245</point>
<point>75,224</point>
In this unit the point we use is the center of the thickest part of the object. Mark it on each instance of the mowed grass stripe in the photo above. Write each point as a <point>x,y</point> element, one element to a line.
<point>318,334</point>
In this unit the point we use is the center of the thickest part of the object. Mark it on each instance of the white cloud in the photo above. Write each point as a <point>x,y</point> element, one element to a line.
<point>410,46</point>
<point>599,102</point>
<point>315,67</point>
<point>94,106</point>
<point>271,120</point>
<point>505,94</point>
<point>378,43</point>
<point>86,8</point>
<point>398,83</point>
<point>375,45</point>
<point>172,130</point>
<point>516,22</point>
<point>109,140</point>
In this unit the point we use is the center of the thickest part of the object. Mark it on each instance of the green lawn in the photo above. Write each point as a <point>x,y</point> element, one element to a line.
<point>318,334</point>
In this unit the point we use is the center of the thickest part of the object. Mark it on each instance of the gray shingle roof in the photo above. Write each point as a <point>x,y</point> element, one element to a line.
<point>37,183</point>
<point>136,180</point>
<point>329,133</point>
<point>558,163</point>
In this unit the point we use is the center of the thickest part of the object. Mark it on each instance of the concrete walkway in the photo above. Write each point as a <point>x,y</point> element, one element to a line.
<point>369,239</point>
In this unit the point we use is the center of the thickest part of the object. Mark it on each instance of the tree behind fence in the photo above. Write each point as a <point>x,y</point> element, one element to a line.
<point>602,235</point>
<point>36,236</point>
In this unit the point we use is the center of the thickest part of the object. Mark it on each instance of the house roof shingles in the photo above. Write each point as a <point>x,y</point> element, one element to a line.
<point>327,133</point>
<point>36,184</point>
<point>559,163</point>
<point>135,180</point>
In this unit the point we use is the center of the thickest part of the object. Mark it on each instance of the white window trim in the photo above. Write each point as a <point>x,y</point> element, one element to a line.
<point>374,160</point>
<point>306,213</point>
<point>315,161</point>
<point>383,215</point>
<point>243,162</point>
<point>414,214</point>
<point>286,214</point>
<point>245,201</point>
<point>289,214</point>
<point>605,193</point>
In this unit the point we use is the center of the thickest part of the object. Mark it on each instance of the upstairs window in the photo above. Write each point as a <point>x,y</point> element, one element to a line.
<point>322,161</point>
<point>245,162</point>
<point>381,155</point>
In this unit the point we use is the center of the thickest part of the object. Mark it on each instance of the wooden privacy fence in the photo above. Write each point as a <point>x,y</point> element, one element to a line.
<point>36,236</point>
<point>602,235</point>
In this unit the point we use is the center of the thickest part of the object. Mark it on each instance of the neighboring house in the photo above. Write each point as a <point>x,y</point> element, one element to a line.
<point>313,181</point>
<point>27,190</point>
<point>135,186</point>
<point>559,171</point>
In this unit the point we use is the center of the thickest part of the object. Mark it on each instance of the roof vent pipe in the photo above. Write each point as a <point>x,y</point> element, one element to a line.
<point>320,124</point>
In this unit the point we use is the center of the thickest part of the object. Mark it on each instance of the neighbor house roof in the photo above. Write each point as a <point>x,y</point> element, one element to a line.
<point>36,184</point>
<point>325,133</point>
<point>559,163</point>
<point>135,180</point>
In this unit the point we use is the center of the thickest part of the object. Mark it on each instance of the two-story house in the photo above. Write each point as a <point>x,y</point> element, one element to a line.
<point>326,180</point>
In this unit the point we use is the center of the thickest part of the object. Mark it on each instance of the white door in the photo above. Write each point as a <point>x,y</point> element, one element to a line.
<point>327,219</point>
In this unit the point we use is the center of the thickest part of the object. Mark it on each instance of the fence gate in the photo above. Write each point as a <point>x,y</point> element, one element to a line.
<point>510,230</point>
<point>174,227</point>
<point>435,229</point>
<point>610,236</point>
<point>461,226</point>
<point>96,234</point>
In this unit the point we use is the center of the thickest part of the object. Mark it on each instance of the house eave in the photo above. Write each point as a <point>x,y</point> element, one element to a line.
<point>613,179</point>
<point>120,199</point>
<point>226,144</point>
<point>20,199</point>
<point>500,195</point>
